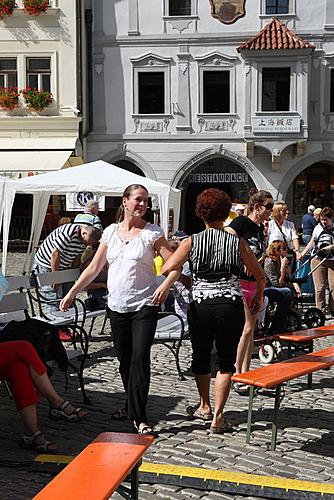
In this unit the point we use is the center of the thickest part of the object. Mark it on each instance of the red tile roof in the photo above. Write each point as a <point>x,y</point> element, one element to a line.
<point>275,36</point>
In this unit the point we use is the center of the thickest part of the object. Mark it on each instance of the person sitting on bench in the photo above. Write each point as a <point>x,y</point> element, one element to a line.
<point>279,288</point>
<point>21,366</point>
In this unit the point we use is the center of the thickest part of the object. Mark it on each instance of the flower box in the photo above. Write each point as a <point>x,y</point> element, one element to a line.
<point>6,8</point>
<point>36,99</point>
<point>35,7</point>
<point>9,98</point>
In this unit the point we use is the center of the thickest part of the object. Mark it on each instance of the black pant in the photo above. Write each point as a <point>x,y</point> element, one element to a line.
<point>221,321</point>
<point>133,334</point>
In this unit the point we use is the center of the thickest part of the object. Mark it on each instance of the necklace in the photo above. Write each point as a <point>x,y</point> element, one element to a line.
<point>123,239</point>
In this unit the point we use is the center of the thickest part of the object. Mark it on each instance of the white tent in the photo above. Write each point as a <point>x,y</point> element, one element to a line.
<point>98,177</point>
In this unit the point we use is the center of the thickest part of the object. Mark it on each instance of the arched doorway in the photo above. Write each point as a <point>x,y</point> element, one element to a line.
<point>220,173</point>
<point>315,185</point>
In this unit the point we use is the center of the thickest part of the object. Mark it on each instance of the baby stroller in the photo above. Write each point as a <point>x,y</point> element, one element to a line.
<point>298,316</point>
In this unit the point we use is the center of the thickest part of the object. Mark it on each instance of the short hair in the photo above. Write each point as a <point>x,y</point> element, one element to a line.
<point>257,197</point>
<point>90,204</point>
<point>327,212</point>
<point>94,234</point>
<point>278,207</point>
<point>213,204</point>
<point>274,247</point>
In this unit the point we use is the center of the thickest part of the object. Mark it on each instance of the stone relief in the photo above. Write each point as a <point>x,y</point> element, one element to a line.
<point>209,125</point>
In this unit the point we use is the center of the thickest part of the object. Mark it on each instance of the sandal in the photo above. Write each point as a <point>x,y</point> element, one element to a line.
<point>76,415</point>
<point>145,429</point>
<point>28,442</point>
<point>241,389</point>
<point>196,412</point>
<point>119,415</point>
<point>225,426</point>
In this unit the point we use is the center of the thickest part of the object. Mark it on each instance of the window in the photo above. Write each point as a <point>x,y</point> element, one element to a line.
<point>275,89</point>
<point>331,97</point>
<point>8,73</point>
<point>216,91</point>
<point>277,6</point>
<point>179,8</point>
<point>151,92</point>
<point>39,73</point>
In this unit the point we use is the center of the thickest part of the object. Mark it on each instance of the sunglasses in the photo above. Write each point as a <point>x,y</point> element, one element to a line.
<point>268,206</point>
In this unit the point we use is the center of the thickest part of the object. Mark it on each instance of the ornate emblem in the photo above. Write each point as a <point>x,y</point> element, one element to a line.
<point>228,11</point>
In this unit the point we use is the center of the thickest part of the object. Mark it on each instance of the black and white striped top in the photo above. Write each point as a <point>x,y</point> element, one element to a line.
<point>216,264</point>
<point>65,239</point>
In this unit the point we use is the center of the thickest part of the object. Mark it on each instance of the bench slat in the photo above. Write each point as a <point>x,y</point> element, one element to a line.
<point>305,335</point>
<point>272,375</point>
<point>99,469</point>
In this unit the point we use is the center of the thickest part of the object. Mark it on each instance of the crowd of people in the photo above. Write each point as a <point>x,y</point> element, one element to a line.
<point>220,277</point>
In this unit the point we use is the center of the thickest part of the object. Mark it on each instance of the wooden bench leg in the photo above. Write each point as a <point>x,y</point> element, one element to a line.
<point>132,492</point>
<point>250,413</point>
<point>275,417</point>
<point>309,376</point>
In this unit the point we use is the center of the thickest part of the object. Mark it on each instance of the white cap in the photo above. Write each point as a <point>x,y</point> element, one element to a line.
<point>311,208</point>
<point>239,207</point>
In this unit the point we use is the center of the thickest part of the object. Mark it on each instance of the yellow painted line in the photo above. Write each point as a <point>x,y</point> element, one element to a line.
<point>215,475</point>
<point>237,477</point>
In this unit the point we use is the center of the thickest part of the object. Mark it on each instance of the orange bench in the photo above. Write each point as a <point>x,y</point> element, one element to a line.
<point>273,376</point>
<point>303,336</point>
<point>100,468</point>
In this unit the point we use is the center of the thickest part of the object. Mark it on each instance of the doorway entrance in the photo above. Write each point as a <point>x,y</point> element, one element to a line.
<point>220,173</point>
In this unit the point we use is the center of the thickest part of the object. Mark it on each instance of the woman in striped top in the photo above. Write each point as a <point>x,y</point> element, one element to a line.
<point>216,311</point>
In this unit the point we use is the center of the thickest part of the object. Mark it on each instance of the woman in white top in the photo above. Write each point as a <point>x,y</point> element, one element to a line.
<point>133,296</point>
<point>323,270</point>
<point>281,229</point>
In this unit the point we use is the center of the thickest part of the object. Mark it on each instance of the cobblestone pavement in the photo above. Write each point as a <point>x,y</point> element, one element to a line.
<point>305,448</point>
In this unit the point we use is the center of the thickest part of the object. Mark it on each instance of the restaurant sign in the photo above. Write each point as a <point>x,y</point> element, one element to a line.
<point>219,177</point>
<point>282,124</point>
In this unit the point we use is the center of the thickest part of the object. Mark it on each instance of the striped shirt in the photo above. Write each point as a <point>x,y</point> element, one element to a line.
<point>216,264</point>
<point>65,239</point>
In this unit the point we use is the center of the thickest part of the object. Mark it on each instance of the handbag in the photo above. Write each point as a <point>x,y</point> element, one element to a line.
<point>3,285</point>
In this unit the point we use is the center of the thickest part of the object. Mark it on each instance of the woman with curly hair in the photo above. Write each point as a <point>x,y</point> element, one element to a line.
<point>216,311</point>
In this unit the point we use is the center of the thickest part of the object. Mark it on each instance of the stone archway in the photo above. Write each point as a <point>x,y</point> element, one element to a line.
<point>212,168</point>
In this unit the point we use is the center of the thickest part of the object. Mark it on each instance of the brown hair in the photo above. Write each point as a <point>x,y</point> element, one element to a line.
<point>213,204</point>
<point>257,197</point>
<point>327,212</point>
<point>126,194</point>
<point>274,248</point>
<point>278,207</point>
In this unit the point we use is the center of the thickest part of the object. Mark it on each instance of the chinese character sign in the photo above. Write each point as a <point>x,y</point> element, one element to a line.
<point>282,124</point>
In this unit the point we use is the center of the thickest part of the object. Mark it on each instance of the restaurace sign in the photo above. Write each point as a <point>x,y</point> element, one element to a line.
<point>227,11</point>
<point>218,177</point>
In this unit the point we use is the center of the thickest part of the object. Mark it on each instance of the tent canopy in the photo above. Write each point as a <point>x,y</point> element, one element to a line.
<point>98,177</point>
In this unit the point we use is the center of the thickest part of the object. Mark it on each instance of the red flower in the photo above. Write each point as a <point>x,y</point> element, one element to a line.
<point>35,7</point>
<point>9,98</point>
<point>6,8</point>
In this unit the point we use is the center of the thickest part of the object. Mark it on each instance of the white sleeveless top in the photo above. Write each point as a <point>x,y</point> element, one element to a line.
<point>131,279</point>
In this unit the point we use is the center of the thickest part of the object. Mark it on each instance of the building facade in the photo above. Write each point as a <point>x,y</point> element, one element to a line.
<point>39,52</point>
<point>212,93</point>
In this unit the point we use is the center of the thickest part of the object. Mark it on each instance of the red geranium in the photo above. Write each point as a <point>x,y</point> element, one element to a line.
<point>6,8</point>
<point>35,7</point>
<point>36,99</point>
<point>9,98</point>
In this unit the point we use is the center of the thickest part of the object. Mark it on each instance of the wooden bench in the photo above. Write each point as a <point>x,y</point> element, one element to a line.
<point>306,336</point>
<point>273,376</point>
<point>98,471</point>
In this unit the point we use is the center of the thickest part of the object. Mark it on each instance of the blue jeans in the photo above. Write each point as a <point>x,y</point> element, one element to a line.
<point>306,238</point>
<point>283,297</point>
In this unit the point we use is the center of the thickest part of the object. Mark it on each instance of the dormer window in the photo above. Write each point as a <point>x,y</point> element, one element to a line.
<point>277,7</point>
<point>276,89</point>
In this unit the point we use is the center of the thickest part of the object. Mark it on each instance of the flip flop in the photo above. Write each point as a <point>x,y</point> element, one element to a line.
<point>196,412</point>
<point>119,415</point>
<point>145,429</point>
<point>225,426</point>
